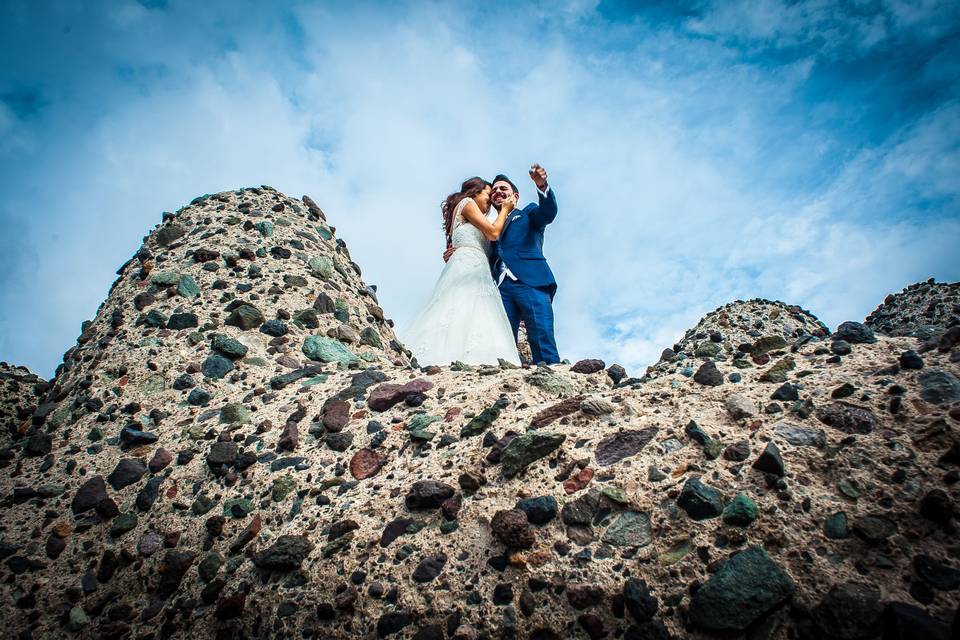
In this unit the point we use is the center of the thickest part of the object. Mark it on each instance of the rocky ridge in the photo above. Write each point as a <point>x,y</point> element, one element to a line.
<point>20,392</point>
<point>238,446</point>
<point>924,310</point>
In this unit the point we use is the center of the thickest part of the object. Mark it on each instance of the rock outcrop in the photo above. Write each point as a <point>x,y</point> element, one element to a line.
<point>923,310</point>
<point>239,446</point>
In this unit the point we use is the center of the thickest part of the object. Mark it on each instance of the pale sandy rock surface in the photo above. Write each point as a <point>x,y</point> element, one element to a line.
<point>369,499</point>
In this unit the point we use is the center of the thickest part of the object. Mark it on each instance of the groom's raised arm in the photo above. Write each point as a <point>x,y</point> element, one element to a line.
<point>546,209</point>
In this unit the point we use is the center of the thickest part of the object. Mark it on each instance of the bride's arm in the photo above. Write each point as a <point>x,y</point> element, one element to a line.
<point>490,230</point>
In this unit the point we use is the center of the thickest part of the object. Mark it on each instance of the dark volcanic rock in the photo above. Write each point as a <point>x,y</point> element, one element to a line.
<point>174,566</point>
<point>854,333</point>
<point>427,494</point>
<point>286,554</point>
<point>851,610</point>
<point>638,600</point>
<point>245,317</point>
<point>511,528</point>
<point>708,375</point>
<point>747,586</point>
<point>623,444</point>
<point>89,495</point>
<point>700,501</point>
<point>588,366</point>
<point>847,417</point>
<point>770,461</point>
<point>939,387</point>
<point>127,472</point>
<point>429,568</point>
<point>528,448</point>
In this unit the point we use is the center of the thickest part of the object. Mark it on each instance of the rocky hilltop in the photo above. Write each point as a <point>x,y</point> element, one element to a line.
<point>239,447</point>
<point>923,310</point>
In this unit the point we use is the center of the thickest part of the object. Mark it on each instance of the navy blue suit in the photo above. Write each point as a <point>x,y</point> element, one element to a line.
<point>530,297</point>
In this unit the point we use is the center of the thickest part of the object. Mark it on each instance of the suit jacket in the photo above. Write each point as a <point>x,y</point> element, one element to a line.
<point>520,246</point>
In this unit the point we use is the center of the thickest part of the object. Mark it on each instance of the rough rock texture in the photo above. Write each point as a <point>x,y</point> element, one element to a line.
<point>20,392</point>
<point>382,521</point>
<point>923,310</point>
<point>737,331</point>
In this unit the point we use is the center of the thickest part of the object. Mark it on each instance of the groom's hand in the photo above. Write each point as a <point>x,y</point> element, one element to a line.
<point>448,253</point>
<point>539,176</point>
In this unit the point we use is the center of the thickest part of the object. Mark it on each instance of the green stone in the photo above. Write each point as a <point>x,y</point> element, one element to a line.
<point>835,527</point>
<point>201,505</point>
<point>188,287</point>
<point>766,344</point>
<point>255,361</point>
<point>78,618</point>
<point>368,356</point>
<point>237,507</point>
<point>59,417</point>
<point>616,494</point>
<point>209,566</point>
<point>630,529</point>
<point>309,382</point>
<point>153,384</point>
<point>95,435</point>
<point>265,227</point>
<point>193,432</point>
<point>848,489</point>
<point>340,311</point>
<point>712,449</point>
<point>194,338</point>
<point>337,545</point>
<point>528,448</point>
<point>417,426</point>
<point>122,524</point>
<point>746,587</point>
<point>370,338</point>
<point>234,413</point>
<point>321,266</point>
<point>741,511</point>
<point>676,553</point>
<point>324,233</point>
<point>778,372</point>
<point>155,319</point>
<point>481,423</point>
<point>327,350</point>
<point>165,278</point>
<point>282,487</point>
<point>740,363</point>
<point>550,382</point>
<point>707,349</point>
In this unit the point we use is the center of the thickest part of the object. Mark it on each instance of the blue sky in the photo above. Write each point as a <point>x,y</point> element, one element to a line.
<point>701,151</point>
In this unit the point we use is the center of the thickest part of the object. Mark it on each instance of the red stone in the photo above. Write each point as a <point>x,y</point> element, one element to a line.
<point>578,481</point>
<point>452,413</point>
<point>366,463</point>
<point>386,395</point>
<point>548,415</point>
<point>336,415</point>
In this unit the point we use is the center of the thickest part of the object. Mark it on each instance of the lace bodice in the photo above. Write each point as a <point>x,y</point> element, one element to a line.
<point>465,234</point>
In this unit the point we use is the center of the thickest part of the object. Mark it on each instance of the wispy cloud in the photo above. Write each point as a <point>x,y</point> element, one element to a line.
<point>694,160</point>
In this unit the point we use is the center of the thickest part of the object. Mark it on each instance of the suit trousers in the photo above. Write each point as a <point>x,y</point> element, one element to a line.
<point>532,305</point>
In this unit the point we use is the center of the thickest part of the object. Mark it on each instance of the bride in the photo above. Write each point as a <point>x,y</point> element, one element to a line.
<point>464,318</point>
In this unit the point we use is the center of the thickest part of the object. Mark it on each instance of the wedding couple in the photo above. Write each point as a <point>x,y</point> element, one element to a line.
<point>495,277</point>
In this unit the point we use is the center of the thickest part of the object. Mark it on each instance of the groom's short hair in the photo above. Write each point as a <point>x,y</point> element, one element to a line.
<point>503,178</point>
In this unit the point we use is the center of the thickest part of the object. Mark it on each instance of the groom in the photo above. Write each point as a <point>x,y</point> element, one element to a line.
<point>526,284</point>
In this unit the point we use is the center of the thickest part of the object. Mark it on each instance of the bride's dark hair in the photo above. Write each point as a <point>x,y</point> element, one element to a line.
<point>469,188</point>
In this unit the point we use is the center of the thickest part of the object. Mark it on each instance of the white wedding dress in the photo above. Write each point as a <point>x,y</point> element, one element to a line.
<point>464,317</point>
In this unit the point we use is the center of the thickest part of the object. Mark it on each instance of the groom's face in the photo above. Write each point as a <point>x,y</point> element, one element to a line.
<point>501,191</point>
